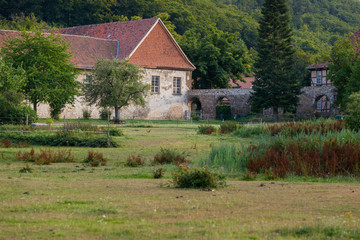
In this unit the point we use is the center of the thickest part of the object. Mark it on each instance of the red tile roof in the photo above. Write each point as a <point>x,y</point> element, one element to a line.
<point>317,66</point>
<point>137,41</point>
<point>159,49</point>
<point>85,50</point>
<point>244,85</point>
<point>129,33</point>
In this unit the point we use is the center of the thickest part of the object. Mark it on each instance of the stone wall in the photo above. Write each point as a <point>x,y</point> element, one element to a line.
<point>239,100</point>
<point>162,105</point>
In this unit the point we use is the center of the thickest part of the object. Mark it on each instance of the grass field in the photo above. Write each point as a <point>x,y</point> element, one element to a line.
<point>73,201</point>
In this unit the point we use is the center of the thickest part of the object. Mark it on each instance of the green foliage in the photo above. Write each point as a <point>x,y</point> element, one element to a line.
<point>223,112</point>
<point>195,116</point>
<point>114,83</point>
<point>186,177</point>
<point>49,121</point>
<point>13,110</point>
<point>86,114</point>
<point>168,156</point>
<point>11,78</point>
<point>251,131</point>
<point>59,139</point>
<point>218,56</point>
<point>50,76</point>
<point>352,119</point>
<point>344,69</point>
<point>228,158</point>
<point>95,159</point>
<point>207,129</point>
<point>105,113</point>
<point>116,132</point>
<point>229,127</point>
<point>275,85</point>
<point>24,23</point>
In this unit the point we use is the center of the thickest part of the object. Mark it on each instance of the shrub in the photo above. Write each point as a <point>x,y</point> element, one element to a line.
<point>167,156</point>
<point>60,139</point>
<point>158,173</point>
<point>95,159</point>
<point>195,117</point>
<point>116,132</point>
<point>46,156</point>
<point>224,111</point>
<point>186,177</point>
<point>134,161</point>
<point>104,113</point>
<point>86,114</point>
<point>26,169</point>
<point>250,131</point>
<point>229,127</point>
<point>207,129</point>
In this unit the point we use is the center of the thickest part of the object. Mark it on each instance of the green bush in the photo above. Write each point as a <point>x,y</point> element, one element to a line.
<point>224,110</point>
<point>13,110</point>
<point>104,113</point>
<point>247,131</point>
<point>86,114</point>
<point>195,117</point>
<point>59,139</point>
<point>186,177</point>
<point>207,129</point>
<point>167,156</point>
<point>116,132</point>
<point>229,127</point>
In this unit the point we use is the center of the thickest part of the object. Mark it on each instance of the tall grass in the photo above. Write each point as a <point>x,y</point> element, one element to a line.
<point>230,158</point>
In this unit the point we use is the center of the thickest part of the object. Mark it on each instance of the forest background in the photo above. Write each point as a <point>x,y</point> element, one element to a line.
<point>317,24</point>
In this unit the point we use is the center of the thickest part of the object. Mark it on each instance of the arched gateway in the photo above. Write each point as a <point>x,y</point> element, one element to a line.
<point>314,101</point>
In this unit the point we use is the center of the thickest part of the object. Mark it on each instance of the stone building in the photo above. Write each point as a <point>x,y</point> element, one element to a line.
<point>146,43</point>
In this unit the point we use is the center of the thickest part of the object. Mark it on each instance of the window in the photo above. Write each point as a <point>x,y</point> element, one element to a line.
<point>318,77</point>
<point>155,83</point>
<point>177,85</point>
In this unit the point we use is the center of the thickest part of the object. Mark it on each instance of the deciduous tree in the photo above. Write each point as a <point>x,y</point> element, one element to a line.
<point>114,83</point>
<point>50,76</point>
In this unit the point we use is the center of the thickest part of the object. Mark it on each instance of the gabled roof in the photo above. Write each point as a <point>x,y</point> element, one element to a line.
<point>85,50</point>
<point>130,34</point>
<point>317,66</point>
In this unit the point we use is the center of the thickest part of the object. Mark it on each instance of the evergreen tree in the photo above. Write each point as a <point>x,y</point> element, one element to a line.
<point>275,85</point>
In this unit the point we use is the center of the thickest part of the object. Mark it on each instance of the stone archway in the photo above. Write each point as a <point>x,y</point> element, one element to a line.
<point>322,106</point>
<point>223,108</point>
<point>195,107</point>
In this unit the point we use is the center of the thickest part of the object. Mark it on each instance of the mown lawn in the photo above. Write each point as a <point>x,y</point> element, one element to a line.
<point>73,201</point>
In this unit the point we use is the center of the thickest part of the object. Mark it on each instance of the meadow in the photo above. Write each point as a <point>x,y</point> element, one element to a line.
<point>73,200</point>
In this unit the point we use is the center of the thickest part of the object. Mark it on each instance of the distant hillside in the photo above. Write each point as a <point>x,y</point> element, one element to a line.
<point>317,23</point>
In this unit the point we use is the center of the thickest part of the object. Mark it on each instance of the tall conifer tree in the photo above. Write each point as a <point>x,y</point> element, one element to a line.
<point>275,85</point>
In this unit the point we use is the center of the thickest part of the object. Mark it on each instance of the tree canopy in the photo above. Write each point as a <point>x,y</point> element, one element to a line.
<point>218,56</point>
<point>50,76</point>
<point>275,85</point>
<point>344,68</point>
<point>114,83</point>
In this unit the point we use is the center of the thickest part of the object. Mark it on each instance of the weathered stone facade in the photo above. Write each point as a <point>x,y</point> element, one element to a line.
<point>162,105</point>
<point>239,101</point>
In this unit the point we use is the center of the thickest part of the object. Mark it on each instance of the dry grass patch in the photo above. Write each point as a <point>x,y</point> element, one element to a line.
<point>113,209</point>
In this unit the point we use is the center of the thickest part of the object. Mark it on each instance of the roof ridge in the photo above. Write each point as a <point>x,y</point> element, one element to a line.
<point>97,24</point>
